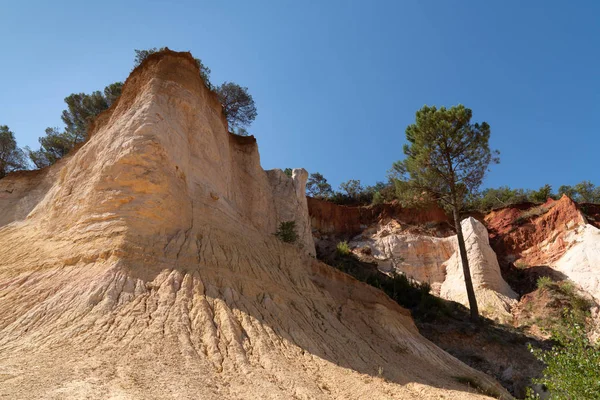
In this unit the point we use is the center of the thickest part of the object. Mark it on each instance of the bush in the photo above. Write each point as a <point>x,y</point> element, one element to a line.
<point>377,198</point>
<point>572,365</point>
<point>544,282</point>
<point>343,249</point>
<point>492,198</point>
<point>287,232</point>
<point>563,295</point>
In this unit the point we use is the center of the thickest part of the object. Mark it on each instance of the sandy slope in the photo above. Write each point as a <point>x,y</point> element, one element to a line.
<point>146,268</point>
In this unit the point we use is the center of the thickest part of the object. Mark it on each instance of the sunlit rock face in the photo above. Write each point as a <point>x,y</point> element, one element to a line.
<point>436,260</point>
<point>144,265</point>
<point>494,296</point>
<point>556,236</point>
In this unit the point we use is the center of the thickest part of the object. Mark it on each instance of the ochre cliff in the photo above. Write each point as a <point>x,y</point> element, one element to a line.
<point>145,266</point>
<point>555,235</point>
<point>330,218</point>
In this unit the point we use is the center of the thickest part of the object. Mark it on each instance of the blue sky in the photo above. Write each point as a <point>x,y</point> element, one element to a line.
<point>337,82</point>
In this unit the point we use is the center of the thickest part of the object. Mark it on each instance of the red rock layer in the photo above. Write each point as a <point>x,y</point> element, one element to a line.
<point>511,237</point>
<point>327,217</point>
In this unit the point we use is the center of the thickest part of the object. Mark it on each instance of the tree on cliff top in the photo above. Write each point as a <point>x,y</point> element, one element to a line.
<point>542,195</point>
<point>81,110</point>
<point>446,159</point>
<point>238,105</point>
<point>11,157</point>
<point>317,186</point>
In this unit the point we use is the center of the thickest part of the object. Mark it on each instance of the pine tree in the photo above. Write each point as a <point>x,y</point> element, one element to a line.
<point>446,160</point>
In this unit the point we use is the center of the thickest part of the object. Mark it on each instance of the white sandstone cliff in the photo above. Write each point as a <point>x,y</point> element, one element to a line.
<point>494,296</point>
<point>581,262</point>
<point>436,260</point>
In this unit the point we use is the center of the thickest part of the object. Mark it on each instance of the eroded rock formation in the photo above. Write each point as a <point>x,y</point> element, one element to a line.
<point>555,235</point>
<point>436,260</point>
<point>494,296</point>
<point>145,266</point>
<point>330,218</point>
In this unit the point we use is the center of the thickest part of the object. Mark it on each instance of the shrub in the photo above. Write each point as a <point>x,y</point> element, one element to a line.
<point>343,249</point>
<point>572,365</point>
<point>544,282</point>
<point>287,232</point>
<point>377,198</point>
<point>564,295</point>
<point>521,265</point>
<point>492,198</point>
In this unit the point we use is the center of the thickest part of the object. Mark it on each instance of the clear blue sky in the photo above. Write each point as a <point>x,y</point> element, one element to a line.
<point>337,82</point>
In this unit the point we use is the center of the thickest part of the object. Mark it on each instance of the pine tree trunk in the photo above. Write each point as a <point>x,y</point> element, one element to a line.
<point>466,270</point>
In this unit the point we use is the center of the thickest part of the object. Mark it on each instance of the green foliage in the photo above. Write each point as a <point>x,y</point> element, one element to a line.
<point>404,291</point>
<point>567,190</point>
<point>542,195</point>
<point>54,146</point>
<point>387,191</point>
<point>409,293</point>
<point>288,171</point>
<point>317,186</point>
<point>544,282</point>
<point>587,192</point>
<point>11,157</point>
<point>583,192</point>
<point>342,248</point>
<point>572,365</point>
<point>238,104</point>
<point>490,198</point>
<point>81,110</point>
<point>354,193</point>
<point>112,92</point>
<point>446,158</point>
<point>353,188</point>
<point>377,198</point>
<point>287,232</point>
<point>561,295</point>
<point>141,55</point>
<point>521,265</point>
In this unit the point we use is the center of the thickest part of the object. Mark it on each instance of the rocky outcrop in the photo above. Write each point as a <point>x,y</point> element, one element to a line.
<point>21,191</point>
<point>581,262</point>
<point>290,203</point>
<point>555,235</point>
<point>436,260</point>
<point>145,266</point>
<point>494,296</point>
<point>535,235</point>
<point>329,218</point>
